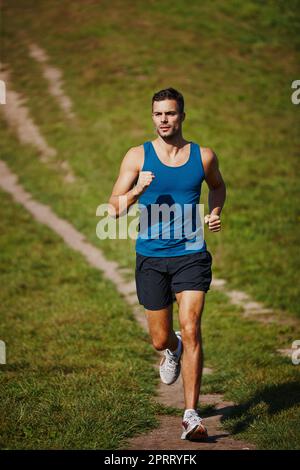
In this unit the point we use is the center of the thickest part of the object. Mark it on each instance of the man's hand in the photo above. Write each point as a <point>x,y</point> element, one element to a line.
<point>213,221</point>
<point>144,180</point>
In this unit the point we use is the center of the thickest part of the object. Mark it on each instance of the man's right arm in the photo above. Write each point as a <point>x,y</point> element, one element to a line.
<point>128,175</point>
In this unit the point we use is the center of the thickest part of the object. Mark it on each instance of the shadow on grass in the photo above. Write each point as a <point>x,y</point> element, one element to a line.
<point>268,401</point>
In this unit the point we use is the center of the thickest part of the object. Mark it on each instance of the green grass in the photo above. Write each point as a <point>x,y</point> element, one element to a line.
<point>234,63</point>
<point>78,371</point>
<point>248,370</point>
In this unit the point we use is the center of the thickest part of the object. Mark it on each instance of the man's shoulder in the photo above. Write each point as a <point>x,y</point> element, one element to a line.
<point>138,149</point>
<point>135,156</point>
<point>208,155</point>
<point>135,151</point>
<point>208,158</point>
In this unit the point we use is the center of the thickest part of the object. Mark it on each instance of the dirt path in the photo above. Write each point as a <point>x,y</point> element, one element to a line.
<point>54,77</point>
<point>167,435</point>
<point>18,118</point>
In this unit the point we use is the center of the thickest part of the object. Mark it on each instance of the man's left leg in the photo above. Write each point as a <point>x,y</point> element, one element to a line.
<point>191,305</point>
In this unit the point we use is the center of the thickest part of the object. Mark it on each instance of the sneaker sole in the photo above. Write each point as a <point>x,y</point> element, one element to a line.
<point>198,433</point>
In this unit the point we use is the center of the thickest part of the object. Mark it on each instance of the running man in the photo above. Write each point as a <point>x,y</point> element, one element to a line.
<point>168,172</point>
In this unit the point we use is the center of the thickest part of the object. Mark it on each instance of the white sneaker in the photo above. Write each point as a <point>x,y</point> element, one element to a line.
<point>192,426</point>
<point>169,368</point>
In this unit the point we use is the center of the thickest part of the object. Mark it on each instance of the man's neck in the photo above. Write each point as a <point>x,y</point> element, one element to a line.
<point>171,145</point>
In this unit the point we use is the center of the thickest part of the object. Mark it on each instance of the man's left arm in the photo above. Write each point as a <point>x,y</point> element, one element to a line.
<point>217,189</point>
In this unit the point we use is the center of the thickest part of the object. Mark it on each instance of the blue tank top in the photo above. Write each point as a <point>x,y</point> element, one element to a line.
<point>169,222</point>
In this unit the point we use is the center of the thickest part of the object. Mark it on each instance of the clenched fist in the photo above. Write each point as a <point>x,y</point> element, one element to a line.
<point>145,179</point>
<point>214,222</point>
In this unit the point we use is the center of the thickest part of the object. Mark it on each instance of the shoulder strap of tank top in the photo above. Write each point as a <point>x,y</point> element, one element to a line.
<point>148,154</point>
<point>194,157</point>
<point>198,158</point>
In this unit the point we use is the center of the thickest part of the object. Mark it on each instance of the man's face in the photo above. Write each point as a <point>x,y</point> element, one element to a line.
<point>166,118</point>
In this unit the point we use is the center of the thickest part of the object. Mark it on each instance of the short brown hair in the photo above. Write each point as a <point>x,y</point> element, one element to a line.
<point>170,94</point>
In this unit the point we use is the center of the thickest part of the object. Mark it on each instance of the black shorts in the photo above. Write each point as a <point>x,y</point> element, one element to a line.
<point>158,278</point>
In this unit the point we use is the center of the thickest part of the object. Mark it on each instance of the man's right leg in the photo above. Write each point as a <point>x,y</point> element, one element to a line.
<point>160,324</point>
<point>153,291</point>
<point>164,338</point>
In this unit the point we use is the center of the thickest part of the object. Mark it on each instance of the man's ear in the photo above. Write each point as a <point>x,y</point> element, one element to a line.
<point>183,117</point>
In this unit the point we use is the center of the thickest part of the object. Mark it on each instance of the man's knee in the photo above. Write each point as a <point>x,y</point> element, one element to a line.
<point>160,343</point>
<point>191,333</point>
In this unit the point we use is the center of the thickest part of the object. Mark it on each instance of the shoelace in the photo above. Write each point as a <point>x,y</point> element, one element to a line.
<point>171,362</point>
<point>193,419</point>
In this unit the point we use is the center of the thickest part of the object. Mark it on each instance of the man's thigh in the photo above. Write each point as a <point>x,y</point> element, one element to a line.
<point>153,283</point>
<point>160,322</point>
<point>191,272</point>
<point>191,305</point>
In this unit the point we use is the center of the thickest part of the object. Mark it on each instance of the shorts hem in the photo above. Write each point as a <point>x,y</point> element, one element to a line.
<point>157,308</point>
<point>200,288</point>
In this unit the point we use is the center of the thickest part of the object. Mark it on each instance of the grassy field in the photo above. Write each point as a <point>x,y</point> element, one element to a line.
<point>79,373</point>
<point>234,63</point>
<point>74,351</point>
